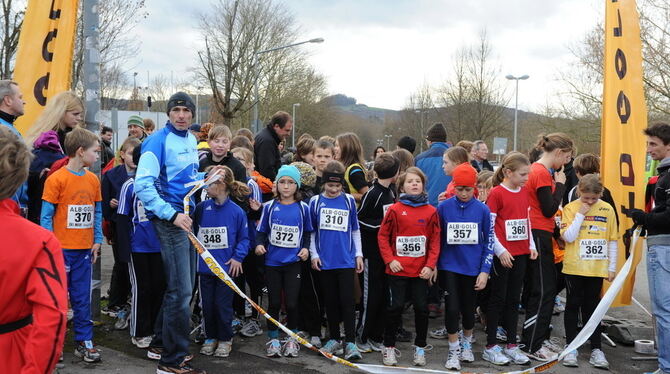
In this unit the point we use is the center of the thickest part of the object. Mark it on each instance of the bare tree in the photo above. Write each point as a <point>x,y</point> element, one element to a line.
<point>12,19</point>
<point>234,31</point>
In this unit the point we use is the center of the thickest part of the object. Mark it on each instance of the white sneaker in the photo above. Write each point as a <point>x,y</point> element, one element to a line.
<point>453,362</point>
<point>439,333</point>
<point>224,348</point>
<point>333,347</point>
<point>495,355</point>
<point>363,347</point>
<point>570,360</point>
<point>376,346</point>
<point>598,359</point>
<point>141,342</point>
<point>552,345</point>
<point>466,351</point>
<point>461,336</point>
<point>315,341</point>
<point>389,356</point>
<point>291,348</point>
<point>516,356</point>
<point>543,354</point>
<point>251,328</point>
<point>274,348</point>
<point>419,356</point>
<point>208,347</point>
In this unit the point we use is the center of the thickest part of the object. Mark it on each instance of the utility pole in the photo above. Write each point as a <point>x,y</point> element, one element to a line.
<point>92,103</point>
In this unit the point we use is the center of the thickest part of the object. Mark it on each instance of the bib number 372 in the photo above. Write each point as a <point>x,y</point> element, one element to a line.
<point>284,236</point>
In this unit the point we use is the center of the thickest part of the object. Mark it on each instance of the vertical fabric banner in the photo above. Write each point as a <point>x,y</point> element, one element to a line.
<point>623,145</point>
<point>43,65</point>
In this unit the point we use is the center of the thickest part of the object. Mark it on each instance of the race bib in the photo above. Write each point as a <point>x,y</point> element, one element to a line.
<point>516,229</point>
<point>141,213</point>
<point>284,236</point>
<point>593,249</point>
<point>410,246</point>
<point>462,233</point>
<point>386,208</point>
<point>213,237</point>
<point>79,216</point>
<point>334,219</point>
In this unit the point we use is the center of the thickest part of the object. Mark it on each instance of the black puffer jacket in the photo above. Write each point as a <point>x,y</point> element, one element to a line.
<point>656,222</point>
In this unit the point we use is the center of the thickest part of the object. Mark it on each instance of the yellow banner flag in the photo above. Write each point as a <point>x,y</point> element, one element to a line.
<point>43,65</point>
<point>623,145</point>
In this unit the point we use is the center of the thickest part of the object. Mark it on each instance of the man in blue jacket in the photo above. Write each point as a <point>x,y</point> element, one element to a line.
<point>167,169</point>
<point>430,162</point>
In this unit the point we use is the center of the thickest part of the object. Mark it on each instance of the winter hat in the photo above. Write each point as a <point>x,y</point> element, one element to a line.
<point>136,120</point>
<point>437,133</point>
<point>307,174</point>
<point>464,175</point>
<point>181,99</point>
<point>289,171</point>
<point>195,127</point>
<point>408,143</point>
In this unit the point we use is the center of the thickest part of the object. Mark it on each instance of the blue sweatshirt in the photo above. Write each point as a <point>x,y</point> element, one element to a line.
<point>143,237</point>
<point>167,171</point>
<point>222,229</point>
<point>337,239</point>
<point>467,237</point>
<point>285,227</point>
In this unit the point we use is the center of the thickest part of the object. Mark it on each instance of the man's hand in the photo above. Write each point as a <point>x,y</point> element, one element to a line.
<point>235,267</point>
<point>637,215</point>
<point>183,221</point>
<point>95,252</point>
<point>395,266</point>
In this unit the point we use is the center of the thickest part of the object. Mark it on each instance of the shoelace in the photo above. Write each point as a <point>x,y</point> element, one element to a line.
<point>396,351</point>
<point>428,347</point>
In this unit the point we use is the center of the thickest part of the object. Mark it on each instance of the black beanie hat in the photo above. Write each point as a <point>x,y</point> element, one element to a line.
<point>408,143</point>
<point>437,133</point>
<point>181,99</point>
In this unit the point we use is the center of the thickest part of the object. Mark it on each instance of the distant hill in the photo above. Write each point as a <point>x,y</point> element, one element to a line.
<point>349,105</point>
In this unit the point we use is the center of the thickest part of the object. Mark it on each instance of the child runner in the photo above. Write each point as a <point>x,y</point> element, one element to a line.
<point>374,204</point>
<point>465,260</point>
<point>409,242</point>
<point>283,237</point>
<point>34,295</point>
<point>323,154</point>
<point>136,235</point>
<point>509,206</point>
<point>545,193</point>
<point>72,209</point>
<point>452,157</point>
<point>221,226</point>
<point>336,253</point>
<point>589,229</point>
<point>252,265</point>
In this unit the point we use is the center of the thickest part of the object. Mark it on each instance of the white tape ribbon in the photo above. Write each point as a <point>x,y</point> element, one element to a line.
<point>646,347</point>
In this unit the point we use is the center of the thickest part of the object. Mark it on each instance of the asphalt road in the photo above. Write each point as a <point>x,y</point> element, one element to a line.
<point>120,356</point>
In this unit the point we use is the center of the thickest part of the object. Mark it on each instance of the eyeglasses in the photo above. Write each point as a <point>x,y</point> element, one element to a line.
<point>287,182</point>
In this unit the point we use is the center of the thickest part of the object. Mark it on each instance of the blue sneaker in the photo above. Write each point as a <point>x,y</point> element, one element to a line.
<point>351,352</point>
<point>334,347</point>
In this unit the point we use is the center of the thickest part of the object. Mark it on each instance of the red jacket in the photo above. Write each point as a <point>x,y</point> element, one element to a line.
<point>410,223</point>
<point>32,275</point>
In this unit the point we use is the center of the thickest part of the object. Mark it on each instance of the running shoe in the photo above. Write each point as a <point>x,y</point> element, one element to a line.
<point>570,360</point>
<point>598,359</point>
<point>223,349</point>
<point>208,347</point>
<point>453,361</point>
<point>141,342</point>
<point>274,348</point>
<point>315,341</point>
<point>466,351</point>
<point>87,352</point>
<point>376,346</point>
<point>513,351</point>
<point>496,356</point>
<point>439,333</point>
<point>184,368</point>
<point>333,347</point>
<point>543,354</point>
<point>290,348</point>
<point>351,352</point>
<point>390,356</point>
<point>251,328</point>
<point>363,347</point>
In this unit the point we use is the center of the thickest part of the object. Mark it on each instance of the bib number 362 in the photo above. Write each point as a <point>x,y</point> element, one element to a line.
<point>593,249</point>
<point>411,246</point>
<point>462,233</point>
<point>79,216</point>
<point>284,236</point>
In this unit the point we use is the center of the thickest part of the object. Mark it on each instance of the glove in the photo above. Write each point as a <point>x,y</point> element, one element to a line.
<point>637,215</point>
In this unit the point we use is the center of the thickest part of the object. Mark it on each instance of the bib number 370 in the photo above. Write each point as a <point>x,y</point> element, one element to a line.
<point>79,216</point>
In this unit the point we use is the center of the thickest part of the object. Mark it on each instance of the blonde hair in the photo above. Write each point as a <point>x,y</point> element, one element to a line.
<point>218,131</point>
<point>247,155</point>
<point>52,115</point>
<point>351,151</point>
<point>557,140</point>
<point>79,138</point>
<point>412,170</point>
<point>590,183</point>
<point>511,161</point>
<point>466,144</point>
<point>15,159</point>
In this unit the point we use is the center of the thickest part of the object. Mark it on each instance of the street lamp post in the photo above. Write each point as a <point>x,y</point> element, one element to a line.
<point>516,103</point>
<point>388,143</point>
<point>197,104</point>
<point>294,125</point>
<point>255,126</point>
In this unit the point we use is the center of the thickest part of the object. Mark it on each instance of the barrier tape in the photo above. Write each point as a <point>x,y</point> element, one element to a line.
<point>579,340</point>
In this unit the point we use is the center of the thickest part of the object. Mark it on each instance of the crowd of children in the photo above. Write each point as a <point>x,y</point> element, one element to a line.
<point>351,247</point>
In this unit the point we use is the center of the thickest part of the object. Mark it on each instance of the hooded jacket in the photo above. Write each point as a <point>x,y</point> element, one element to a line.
<point>656,221</point>
<point>430,162</point>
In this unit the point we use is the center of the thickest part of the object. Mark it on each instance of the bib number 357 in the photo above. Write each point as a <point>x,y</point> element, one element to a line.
<point>463,233</point>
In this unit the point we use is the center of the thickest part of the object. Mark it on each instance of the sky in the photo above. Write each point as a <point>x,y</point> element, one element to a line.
<point>379,52</point>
